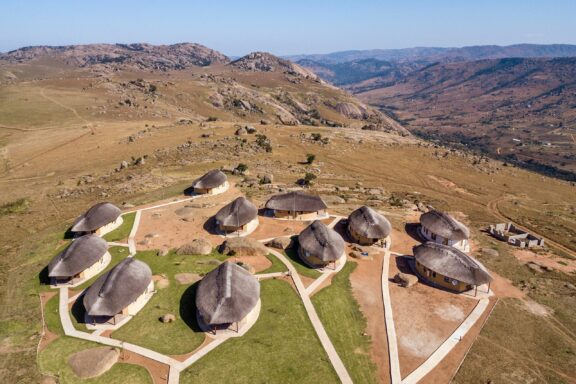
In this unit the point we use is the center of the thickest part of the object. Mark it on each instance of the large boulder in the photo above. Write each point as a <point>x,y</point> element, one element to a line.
<point>242,246</point>
<point>168,318</point>
<point>93,362</point>
<point>405,280</point>
<point>196,247</point>
<point>280,243</point>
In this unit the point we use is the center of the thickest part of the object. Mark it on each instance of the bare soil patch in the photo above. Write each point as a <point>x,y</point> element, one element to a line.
<point>546,259</point>
<point>158,371</point>
<point>367,290</point>
<point>424,317</point>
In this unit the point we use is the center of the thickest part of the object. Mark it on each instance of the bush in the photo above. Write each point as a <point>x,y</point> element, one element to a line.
<point>310,158</point>
<point>316,136</point>
<point>264,142</point>
<point>241,168</point>
<point>152,88</point>
<point>309,178</point>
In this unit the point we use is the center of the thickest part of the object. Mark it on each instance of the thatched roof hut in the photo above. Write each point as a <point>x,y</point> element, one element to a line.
<point>236,214</point>
<point>118,288</point>
<point>450,262</point>
<point>227,294</point>
<point>444,225</point>
<point>79,255</point>
<point>321,243</point>
<point>296,201</point>
<point>369,224</point>
<point>97,216</point>
<point>212,179</point>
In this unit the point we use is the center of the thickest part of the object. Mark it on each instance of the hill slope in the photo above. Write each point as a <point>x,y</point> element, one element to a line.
<point>523,110</point>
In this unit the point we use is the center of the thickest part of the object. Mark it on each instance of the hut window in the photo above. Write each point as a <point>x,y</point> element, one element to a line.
<point>445,241</point>
<point>433,274</point>
<point>446,279</point>
<point>433,236</point>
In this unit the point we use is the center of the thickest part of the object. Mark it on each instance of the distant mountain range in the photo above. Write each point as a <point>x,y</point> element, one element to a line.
<point>444,54</point>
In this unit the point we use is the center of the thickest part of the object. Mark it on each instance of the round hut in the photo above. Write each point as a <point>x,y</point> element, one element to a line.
<point>239,218</point>
<point>367,227</point>
<point>441,228</point>
<point>296,206</point>
<point>227,298</point>
<point>320,246</point>
<point>211,183</point>
<point>449,268</point>
<point>84,258</point>
<point>100,219</point>
<point>120,292</point>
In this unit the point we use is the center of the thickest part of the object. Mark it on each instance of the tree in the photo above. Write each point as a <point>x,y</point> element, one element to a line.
<point>241,168</point>
<point>310,158</point>
<point>309,178</point>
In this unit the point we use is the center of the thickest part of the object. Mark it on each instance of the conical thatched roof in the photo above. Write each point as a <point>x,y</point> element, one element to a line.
<point>211,179</point>
<point>79,255</point>
<point>296,201</point>
<point>369,223</point>
<point>321,242</point>
<point>227,294</point>
<point>97,216</point>
<point>442,224</point>
<point>452,263</point>
<point>118,288</point>
<point>239,212</point>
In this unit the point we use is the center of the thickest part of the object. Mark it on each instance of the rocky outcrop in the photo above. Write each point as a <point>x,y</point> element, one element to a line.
<point>242,246</point>
<point>93,362</point>
<point>405,280</point>
<point>196,247</point>
<point>266,62</point>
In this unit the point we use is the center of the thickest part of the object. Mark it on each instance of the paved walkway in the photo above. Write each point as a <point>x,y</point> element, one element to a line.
<point>315,320</point>
<point>395,377</point>
<point>448,344</point>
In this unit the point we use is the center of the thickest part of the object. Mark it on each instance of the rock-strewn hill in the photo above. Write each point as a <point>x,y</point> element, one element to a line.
<point>522,110</point>
<point>266,62</point>
<point>138,56</point>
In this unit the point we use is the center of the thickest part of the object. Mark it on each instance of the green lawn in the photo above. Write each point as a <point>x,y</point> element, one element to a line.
<point>53,361</point>
<point>345,324</point>
<point>123,231</point>
<point>52,316</point>
<point>277,265</point>
<point>282,347</point>
<point>181,336</point>
<point>302,268</point>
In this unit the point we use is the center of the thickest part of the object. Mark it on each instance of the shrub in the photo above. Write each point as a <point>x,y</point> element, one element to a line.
<point>241,168</point>
<point>310,158</point>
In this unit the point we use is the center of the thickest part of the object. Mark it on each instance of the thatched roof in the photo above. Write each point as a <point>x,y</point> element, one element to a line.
<point>442,224</point>
<point>322,242</point>
<point>369,223</point>
<point>452,263</point>
<point>296,201</point>
<point>239,212</point>
<point>97,216</point>
<point>118,288</point>
<point>211,179</point>
<point>79,255</point>
<point>227,294</point>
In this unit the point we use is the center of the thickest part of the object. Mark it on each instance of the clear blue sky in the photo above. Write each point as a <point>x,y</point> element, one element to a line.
<point>288,27</point>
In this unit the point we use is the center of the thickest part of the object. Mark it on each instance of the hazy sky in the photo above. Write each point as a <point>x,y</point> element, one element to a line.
<point>288,27</point>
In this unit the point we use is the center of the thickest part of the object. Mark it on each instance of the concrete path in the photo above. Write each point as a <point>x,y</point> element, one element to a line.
<point>448,344</point>
<point>133,231</point>
<point>315,320</point>
<point>395,376</point>
<point>316,283</point>
<point>262,276</point>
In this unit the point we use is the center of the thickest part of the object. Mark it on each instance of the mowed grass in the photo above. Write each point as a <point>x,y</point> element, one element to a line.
<point>301,267</point>
<point>281,347</point>
<point>183,335</point>
<point>277,265</point>
<point>52,316</point>
<point>517,346</point>
<point>123,231</point>
<point>53,360</point>
<point>345,323</point>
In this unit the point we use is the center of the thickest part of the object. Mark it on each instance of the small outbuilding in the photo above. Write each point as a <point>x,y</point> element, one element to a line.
<point>320,246</point>
<point>84,258</point>
<point>120,292</point>
<point>239,218</point>
<point>296,205</point>
<point>367,227</point>
<point>439,227</point>
<point>100,219</point>
<point>449,267</point>
<point>227,298</point>
<point>211,183</point>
